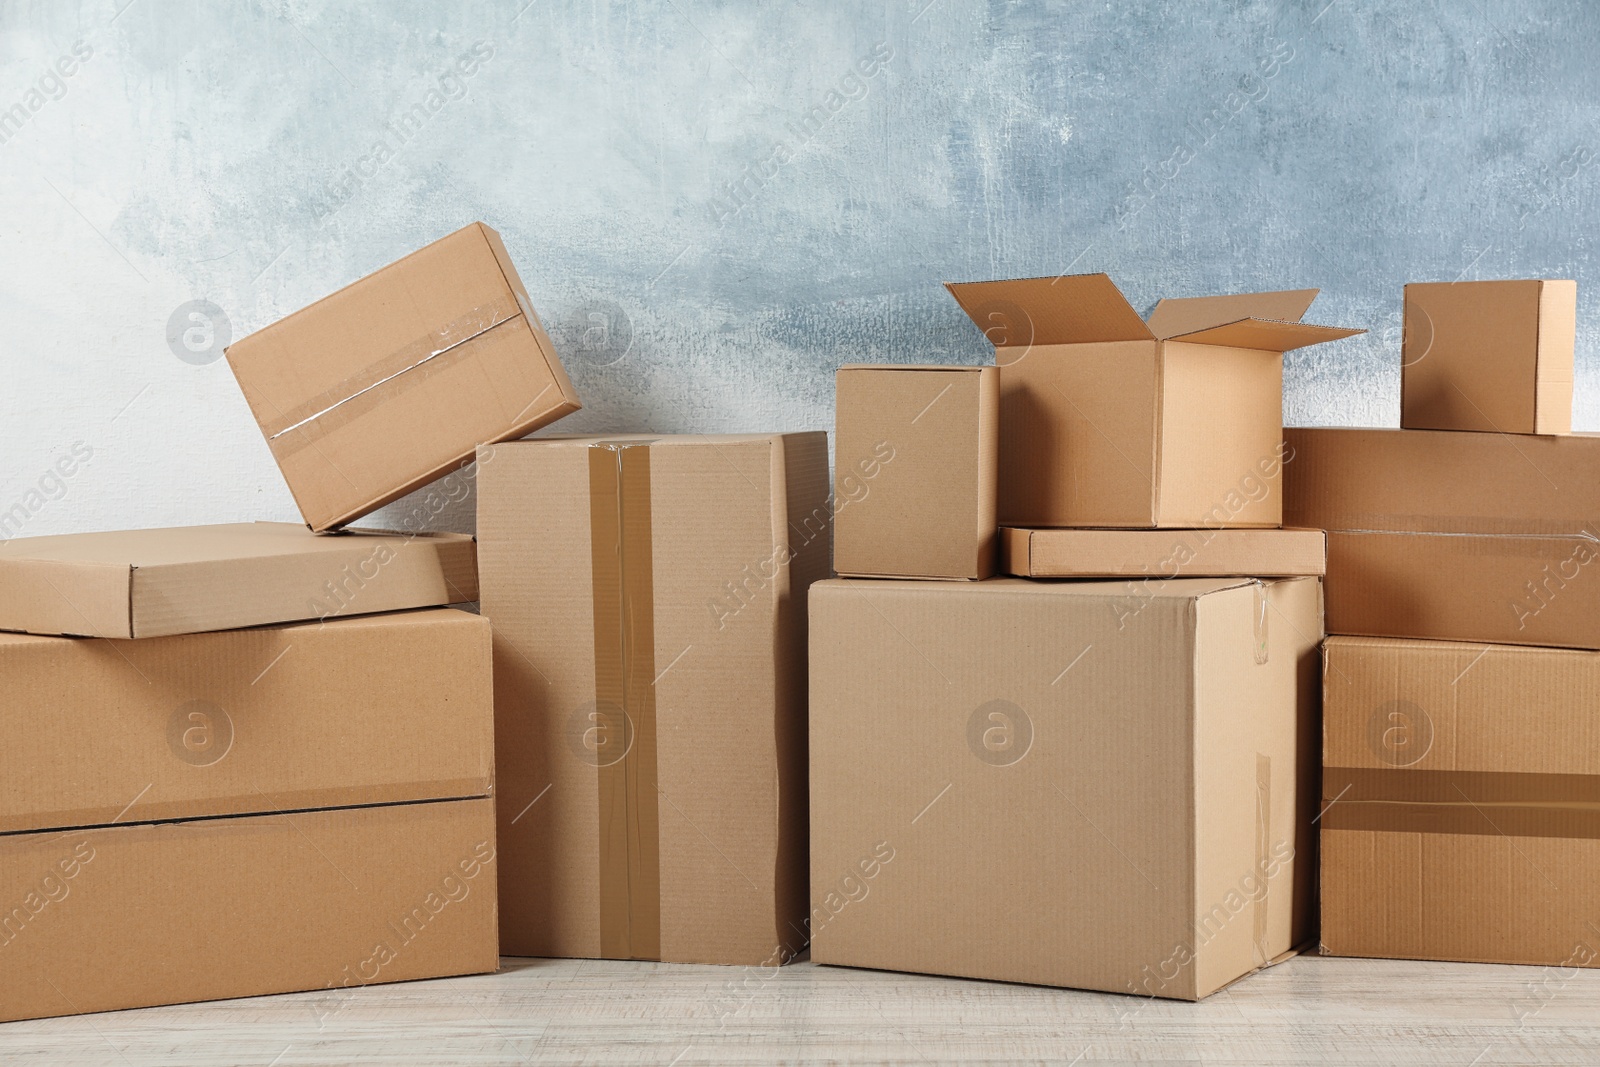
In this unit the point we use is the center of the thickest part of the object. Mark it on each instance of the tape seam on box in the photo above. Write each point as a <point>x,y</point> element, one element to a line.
<point>1508,803</point>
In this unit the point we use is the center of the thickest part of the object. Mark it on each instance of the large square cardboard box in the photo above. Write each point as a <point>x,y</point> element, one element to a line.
<point>1453,536</point>
<point>1060,783</point>
<point>1462,797</point>
<point>394,381</point>
<point>1107,420</point>
<point>915,457</point>
<point>190,579</point>
<point>1139,554</point>
<point>648,598</point>
<point>1489,356</point>
<point>242,813</point>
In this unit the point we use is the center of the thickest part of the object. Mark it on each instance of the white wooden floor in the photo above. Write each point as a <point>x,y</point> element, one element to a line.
<point>1309,1010</point>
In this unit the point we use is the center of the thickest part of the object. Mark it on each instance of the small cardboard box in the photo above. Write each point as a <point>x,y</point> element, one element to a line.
<point>1461,792</point>
<point>394,381</point>
<point>915,456</point>
<point>1106,420</point>
<point>190,579</point>
<point>1062,783</point>
<point>1489,356</point>
<point>242,813</point>
<point>648,599</point>
<point>1454,536</point>
<point>1163,553</point>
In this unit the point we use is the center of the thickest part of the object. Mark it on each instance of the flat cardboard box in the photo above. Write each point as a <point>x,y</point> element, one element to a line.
<point>394,381</point>
<point>190,579</point>
<point>1489,356</point>
<point>131,916</point>
<point>915,459</point>
<point>1107,420</point>
<point>1462,802</point>
<point>1062,783</point>
<point>1163,553</point>
<point>379,709</point>
<point>1452,535</point>
<point>648,601</point>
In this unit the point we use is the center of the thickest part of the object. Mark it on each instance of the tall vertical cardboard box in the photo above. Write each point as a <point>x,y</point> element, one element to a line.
<point>393,381</point>
<point>1454,536</point>
<point>305,807</point>
<point>915,451</point>
<point>1489,356</point>
<point>1462,794</point>
<point>1107,420</point>
<point>648,600</point>
<point>1062,783</point>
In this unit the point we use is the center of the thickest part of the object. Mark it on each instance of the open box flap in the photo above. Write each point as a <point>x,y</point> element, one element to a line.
<point>1059,310</point>
<point>1172,318</point>
<point>1266,334</point>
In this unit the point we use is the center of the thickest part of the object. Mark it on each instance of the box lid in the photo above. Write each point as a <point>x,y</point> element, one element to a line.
<point>191,579</point>
<point>379,709</point>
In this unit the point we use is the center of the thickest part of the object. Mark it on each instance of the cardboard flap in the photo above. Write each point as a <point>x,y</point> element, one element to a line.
<point>1061,310</point>
<point>1190,314</point>
<point>1266,335</point>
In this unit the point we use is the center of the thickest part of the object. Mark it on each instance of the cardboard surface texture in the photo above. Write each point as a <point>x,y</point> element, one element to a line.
<point>648,602</point>
<point>1162,553</point>
<point>1109,421</point>
<point>1489,356</point>
<point>168,913</point>
<point>243,813</point>
<point>1462,795</point>
<point>1453,535</point>
<point>154,583</point>
<point>393,382</point>
<point>1086,784</point>
<point>915,458</point>
<point>374,710</point>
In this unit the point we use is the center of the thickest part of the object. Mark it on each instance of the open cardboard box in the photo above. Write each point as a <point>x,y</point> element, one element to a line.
<point>1109,420</point>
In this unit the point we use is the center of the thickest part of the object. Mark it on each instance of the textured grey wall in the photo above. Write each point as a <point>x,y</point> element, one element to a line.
<point>654,171</point>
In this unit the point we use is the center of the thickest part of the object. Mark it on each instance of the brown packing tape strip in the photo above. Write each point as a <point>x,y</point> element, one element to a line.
<point>1512,803</point>
<point>289,432</point>
<point>624,677</point>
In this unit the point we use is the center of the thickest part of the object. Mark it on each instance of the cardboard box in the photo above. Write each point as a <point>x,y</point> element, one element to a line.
<point>1106,420</point>
<point>648,599</point>
<point>1452,535</point>
<point>1163,553</point>
<point>1060,783</point>
<point>915,456</point>
<point>1489,356</point>
<point>111,917</point>
<point>1462,797</point>
<point>379,709</point>
<point>249,812</point>
<point>393,382</point>
<point>190,579</point>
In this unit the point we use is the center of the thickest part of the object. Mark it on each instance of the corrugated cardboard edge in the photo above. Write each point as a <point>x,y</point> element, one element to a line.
<point>1554,356</point>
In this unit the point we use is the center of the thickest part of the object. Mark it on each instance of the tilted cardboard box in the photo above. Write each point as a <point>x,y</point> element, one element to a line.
<point>394,381</point>
<point>1059,783</point>
<point>915,450</point>
<point>1453,535</point>
<point>648,600</point>
<point>1489,356</point>
<point>191,579</point>
<point>249,812</point>
<point>1462,794</point>
<point>1140,554</point>
<point>1106,420</point>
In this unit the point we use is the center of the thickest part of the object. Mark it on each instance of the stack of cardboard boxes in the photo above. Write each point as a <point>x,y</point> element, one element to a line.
<point>1106,784</point>
<point>1460,759</point>
<point>255,758</point>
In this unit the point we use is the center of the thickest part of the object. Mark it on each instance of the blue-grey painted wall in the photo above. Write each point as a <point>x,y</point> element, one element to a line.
<point>745,195</point>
